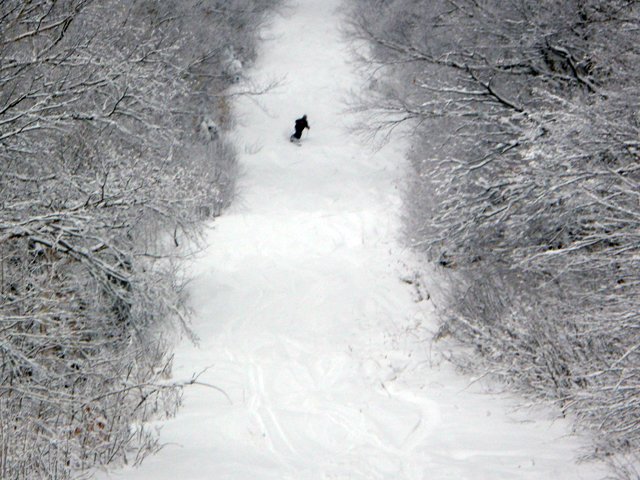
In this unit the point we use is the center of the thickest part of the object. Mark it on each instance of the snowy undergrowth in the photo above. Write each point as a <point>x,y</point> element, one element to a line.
<point>102,159</point>
<point>522,188</point>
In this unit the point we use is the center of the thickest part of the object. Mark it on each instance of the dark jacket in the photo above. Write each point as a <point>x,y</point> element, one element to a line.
<point>301,124</point>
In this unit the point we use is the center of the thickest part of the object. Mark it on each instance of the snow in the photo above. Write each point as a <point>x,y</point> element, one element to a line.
<point>304,321</point>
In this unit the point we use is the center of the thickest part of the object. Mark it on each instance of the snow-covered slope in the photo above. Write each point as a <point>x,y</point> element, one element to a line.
<point>305,323</point>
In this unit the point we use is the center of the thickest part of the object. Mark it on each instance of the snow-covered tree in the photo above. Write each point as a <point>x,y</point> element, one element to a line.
<point>524,183</point>
<point>102,174</point>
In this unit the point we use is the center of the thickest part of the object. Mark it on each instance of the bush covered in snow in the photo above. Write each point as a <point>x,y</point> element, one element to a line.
<point>524,185</point>
<point>102,170</point>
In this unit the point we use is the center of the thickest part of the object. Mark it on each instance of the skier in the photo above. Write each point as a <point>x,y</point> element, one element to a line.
<point>301,124</point>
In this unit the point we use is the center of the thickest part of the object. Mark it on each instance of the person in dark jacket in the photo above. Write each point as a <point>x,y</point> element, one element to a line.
<point>301,124</point>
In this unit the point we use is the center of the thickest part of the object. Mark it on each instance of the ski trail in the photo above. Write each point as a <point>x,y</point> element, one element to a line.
<point>305,322</point>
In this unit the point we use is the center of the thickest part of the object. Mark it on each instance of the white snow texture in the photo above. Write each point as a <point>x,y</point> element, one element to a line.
<point>305,322</point>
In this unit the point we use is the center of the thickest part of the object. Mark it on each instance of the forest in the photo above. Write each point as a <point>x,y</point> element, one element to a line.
<point>522,193</point>
<point>113,152</point>
<point>524,189</point>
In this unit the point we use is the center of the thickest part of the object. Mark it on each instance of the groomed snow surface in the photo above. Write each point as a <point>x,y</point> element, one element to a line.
<point>305,323</point>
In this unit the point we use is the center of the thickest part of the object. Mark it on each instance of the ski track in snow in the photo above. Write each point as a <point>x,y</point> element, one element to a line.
<point>305,322</point>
